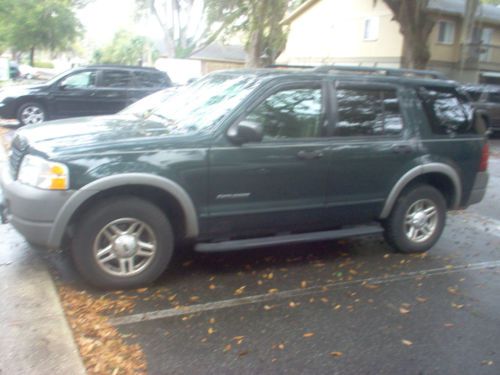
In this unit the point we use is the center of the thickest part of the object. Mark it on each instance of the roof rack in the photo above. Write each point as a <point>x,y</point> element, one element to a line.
<point>284,66</point>
<point>382,71</point>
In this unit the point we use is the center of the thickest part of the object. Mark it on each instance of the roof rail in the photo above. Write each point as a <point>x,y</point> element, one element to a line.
<point>380,70</point>
<point>284,66</point>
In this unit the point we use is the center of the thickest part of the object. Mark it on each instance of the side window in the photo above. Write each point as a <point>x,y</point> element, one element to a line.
<point>445,111</point>
<point>290,113</point>
<point>494,97</point>
<point>366,111</point>
<point>116,78</point>
<point>81,80</point>
<point>149,79</point>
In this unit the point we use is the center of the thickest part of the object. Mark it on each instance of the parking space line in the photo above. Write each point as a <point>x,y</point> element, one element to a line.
<point>234,302</point>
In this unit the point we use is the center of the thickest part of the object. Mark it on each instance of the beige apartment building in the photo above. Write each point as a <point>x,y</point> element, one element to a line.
<point>359,32</point>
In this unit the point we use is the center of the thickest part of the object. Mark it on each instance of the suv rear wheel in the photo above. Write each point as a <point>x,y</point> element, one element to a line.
<point>125,243</point>
<point>417,220</point>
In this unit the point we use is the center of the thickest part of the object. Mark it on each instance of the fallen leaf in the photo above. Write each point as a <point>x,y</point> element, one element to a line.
<point>227,348</point>
<point>211,331</point>
<point>452,290</point>
<point>211,320</point>
<point>273,290</point>
<point>194,298</point>
<point>293,304</point>
<point>403,311</point>
<point>353,271</point>
<point>407,342</point>
<point>449,325</point>
<point>303,284</point>
<point>240,290</point>
<point>212,287</point>
<point>267,307</point>
<point>241,354</point>
<point>336,354</point>
<point>486,363</point>
<point>324,299</point>
<point>337,307</point>
<point>371,286</point>
<point>281,346</point>
<point>141,290</point>
<point>421,299</point>
<point>309,334</point>
<point>457,306</point>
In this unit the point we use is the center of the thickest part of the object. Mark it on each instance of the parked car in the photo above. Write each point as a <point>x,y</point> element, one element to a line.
<point>245,159</point>
<point>84,91</point>
<point>487,99</point>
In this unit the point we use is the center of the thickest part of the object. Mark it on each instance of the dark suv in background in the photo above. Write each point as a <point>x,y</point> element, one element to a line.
<point>245,159</point>
<point>486,98</point>
<point>84,91</point>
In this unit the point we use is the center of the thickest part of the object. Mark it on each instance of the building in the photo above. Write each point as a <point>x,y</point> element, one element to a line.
<point>218,56</point>
<point>362,32</point>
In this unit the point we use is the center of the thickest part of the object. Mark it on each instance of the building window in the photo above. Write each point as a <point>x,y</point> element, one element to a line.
<point>446,32</point>
<point>371,27</point>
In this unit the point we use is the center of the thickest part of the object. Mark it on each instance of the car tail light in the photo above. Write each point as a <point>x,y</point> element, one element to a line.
<point>485,154</point>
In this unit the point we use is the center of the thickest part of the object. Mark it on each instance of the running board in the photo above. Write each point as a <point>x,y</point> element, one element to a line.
<point>251,243</point>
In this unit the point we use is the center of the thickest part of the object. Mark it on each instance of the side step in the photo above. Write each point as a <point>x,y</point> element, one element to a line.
<point>251,243</point>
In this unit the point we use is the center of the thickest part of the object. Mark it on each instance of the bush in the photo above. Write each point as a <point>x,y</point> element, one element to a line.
<point>43,64</point>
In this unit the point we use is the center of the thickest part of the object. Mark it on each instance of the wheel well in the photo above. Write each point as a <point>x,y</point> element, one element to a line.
<point>439,181</point>
<point>166,202</point>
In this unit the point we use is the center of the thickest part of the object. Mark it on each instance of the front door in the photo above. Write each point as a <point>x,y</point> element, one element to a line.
<point>278,183</point>
<point>74,95</point>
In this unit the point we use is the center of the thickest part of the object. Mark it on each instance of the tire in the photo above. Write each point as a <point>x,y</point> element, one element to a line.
<point>31,113</point>
<point>413,210</point>
<point>108,257</point>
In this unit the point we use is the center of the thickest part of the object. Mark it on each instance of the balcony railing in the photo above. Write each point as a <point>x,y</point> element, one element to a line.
<point>480,55</point>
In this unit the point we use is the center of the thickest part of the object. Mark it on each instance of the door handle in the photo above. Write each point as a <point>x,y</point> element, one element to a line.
<point>309,155</point>
<point>402,149</point>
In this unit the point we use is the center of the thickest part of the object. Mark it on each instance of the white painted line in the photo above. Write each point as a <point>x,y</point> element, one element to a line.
<point>224,304</point>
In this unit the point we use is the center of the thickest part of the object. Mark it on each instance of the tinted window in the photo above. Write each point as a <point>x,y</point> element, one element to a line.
<point>79,80</point>
<point>364,112</point>
<point>149,79</point>
<point>291,113</point>
<point>474,94</point>
<point>115,78</point>
<point>494,97</point>
<point>445,111</point>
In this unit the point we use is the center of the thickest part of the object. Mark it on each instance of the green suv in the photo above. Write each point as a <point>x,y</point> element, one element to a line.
<point>245,159</point>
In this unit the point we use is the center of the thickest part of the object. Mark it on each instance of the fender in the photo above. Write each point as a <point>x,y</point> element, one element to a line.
<point>88,191</point>
<point>419,171</point>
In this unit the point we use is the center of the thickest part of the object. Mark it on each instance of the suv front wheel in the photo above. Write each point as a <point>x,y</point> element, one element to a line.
<point>124,243</point>
<point>417,220</point>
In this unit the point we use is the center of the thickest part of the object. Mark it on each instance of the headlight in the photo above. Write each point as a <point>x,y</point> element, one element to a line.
<point>43,174</point>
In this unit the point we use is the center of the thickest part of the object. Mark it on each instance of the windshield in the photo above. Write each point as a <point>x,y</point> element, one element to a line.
<point>202,104</point>
<point>143,107</point>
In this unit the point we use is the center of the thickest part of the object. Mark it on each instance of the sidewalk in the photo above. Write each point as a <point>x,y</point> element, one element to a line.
<point>35,337</point>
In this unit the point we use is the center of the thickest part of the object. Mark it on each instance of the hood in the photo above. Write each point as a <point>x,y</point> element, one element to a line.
<point>89,134</point>
<point>9,90</point>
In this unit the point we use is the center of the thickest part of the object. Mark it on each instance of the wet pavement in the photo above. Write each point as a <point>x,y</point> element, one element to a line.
<point>338,307</point>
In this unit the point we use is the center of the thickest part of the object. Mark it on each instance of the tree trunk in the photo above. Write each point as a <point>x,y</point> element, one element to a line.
<point>32,56</point>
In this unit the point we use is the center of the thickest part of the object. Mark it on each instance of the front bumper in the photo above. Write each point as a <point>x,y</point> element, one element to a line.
<point>30,210</point>
<point>479,188</point>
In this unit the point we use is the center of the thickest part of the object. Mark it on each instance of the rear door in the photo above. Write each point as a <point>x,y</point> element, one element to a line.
<point>145,83</point>
<point>278,183</point>
<point>372,147</point>
<point>112,90</point>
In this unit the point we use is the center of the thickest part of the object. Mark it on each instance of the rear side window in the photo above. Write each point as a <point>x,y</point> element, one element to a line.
<point>150,79</point>
<point>447,111</point>
<point>367,111</point>
<point>116,78</point>
<point>474,94</point>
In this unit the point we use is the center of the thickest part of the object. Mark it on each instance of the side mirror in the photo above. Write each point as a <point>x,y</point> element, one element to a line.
<point>247,131</point>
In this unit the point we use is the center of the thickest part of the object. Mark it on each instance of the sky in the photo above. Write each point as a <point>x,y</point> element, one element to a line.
<point>102,18</point>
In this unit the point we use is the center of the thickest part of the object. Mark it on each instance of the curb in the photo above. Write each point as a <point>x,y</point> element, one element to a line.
<point>36,337</point>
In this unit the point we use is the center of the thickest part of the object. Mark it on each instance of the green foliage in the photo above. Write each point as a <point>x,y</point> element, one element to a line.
<point>125,48</point>
<point>257,20</point>
<point>43,64</point>
<point>493,2</point>
<point>30,24</point>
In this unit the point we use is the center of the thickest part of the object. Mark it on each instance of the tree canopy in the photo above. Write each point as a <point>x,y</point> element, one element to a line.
<point>27,25</point>
<point>125,48</point>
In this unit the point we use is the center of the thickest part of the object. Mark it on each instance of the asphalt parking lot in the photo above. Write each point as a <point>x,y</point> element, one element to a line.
<point>340,307</point>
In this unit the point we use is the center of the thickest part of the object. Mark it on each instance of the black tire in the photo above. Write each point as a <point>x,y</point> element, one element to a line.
<point>31,113</point>
<point>90,238</point>
<point>398,233</point>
